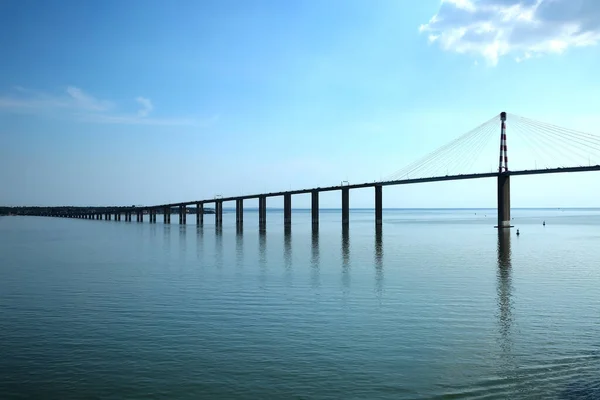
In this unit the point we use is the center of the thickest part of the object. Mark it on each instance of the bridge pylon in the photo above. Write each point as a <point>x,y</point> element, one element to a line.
<point>503,179</point>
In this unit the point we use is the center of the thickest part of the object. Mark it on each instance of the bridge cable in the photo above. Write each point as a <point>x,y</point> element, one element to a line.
<point>426,163</point>
<point>470,153</point>
<point>545,144</point>
<point>567,141</point>
<point>528,141</point>
<point>558,128</point>
<point>418,164</point>
<point>442,166</point>
<point>588,140</point>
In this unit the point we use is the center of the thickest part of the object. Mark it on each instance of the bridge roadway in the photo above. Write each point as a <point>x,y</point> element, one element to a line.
<point>381,183</point>
<point>503,200</point>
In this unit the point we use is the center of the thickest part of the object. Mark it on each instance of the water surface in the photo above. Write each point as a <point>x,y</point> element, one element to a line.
<point>436,304</point>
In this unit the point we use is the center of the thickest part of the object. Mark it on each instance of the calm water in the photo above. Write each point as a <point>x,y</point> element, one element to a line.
<point>437,305</point>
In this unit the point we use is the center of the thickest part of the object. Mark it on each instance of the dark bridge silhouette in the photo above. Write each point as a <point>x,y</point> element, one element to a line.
<point>454,155</point>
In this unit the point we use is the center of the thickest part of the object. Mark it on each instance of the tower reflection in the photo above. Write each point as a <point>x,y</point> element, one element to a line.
<point>504,293</point>
<point>239,246</point>
<point>378,260</point>
<point>314,259</point>
<point>287,247</point>
<point>262,256</point>
<point>345,256</point>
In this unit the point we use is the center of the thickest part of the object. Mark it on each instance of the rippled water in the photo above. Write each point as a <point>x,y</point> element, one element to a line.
<point>436,305</point>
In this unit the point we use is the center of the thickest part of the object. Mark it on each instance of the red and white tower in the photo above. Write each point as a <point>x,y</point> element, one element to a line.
<point>503,156</point>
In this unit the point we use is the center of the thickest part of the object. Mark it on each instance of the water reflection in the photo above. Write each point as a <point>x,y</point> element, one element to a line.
<point>315,276</point>
<point>287,247</point>
<point>262,256</point>
<point>167,239</point>
<point>219,245</point>
<point>200,242</point>
<point>287,254</point>
<point>504,292</point>
<point>378,261</point>
<point>239,247</point>
<point>345,256</point>
<point>182,239</point>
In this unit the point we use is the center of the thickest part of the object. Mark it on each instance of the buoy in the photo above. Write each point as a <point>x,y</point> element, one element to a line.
<point>544,223</point>
<point>518,232</point>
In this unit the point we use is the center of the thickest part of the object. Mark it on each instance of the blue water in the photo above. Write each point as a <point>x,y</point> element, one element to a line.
<point>435,305</point>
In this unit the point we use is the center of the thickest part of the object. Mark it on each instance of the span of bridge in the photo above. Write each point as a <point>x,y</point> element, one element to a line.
<point>503,175</point>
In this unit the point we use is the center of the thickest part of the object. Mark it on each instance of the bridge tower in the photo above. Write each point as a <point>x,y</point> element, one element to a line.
<point>503,179</point>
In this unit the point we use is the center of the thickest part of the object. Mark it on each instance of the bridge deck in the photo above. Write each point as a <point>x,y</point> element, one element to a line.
<point>386,183</point>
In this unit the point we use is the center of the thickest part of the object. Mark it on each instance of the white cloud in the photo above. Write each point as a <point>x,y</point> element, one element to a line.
<point>77,104</point>
<point>524,28</point>
<point>146,106</point>
<point>73,98</point>
<point>86,101</point>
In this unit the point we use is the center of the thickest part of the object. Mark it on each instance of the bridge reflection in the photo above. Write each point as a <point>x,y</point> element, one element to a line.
<point>379,260</point>
<point>504,300</point>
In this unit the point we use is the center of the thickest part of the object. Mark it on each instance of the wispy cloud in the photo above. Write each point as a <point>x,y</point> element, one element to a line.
<point>75,103</point>
<point>146,106</point>
<point>522,28</point>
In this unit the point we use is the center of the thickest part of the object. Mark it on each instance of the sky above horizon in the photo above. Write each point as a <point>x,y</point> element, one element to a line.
<point>151,102</point>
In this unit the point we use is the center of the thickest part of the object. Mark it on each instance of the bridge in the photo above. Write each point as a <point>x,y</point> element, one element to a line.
<point>459,155</point>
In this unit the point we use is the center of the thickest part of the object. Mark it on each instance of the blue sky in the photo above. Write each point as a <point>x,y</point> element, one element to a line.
<point>147,102</point>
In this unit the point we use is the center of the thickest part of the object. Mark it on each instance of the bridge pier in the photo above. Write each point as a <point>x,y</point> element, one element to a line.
<point>287,209</point>
<point>167,215</point>
<point>262,212</point>
<point>503,201</point>
<point>218,213</point>
<point>200,213</point>
<point>239,212</point>
<point>378,206</point>
<point>345,206</point>
<point>315,208</point>
<point>182,215</point>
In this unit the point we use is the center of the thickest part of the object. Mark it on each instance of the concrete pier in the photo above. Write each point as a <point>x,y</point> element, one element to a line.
<point>182,215</point>
<point>287,209</point>
<point>378,205</point>
<point>315,208</point>
<point>117,216</point>
<point>239,211</point>
<point>167,215</point>
<point>218,212</point>
<point>503,201</point>
<point>262,212</point>
<point>345,206</point>
<point>200,213</point>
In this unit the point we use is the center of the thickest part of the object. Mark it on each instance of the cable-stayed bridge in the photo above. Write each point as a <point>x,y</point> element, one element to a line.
<point>538,148</point>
